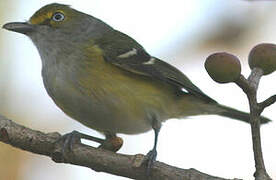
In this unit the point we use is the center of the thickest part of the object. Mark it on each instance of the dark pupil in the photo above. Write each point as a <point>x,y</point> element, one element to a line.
<point>58,17</point>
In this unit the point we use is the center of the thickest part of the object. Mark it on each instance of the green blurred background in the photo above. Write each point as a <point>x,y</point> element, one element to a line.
<point>182,33</point>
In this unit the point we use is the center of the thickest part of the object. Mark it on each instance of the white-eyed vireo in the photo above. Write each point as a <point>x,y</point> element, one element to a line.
<point>106,80</point>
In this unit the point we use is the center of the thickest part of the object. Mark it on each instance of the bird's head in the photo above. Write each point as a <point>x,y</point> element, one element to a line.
<point>58,22</point>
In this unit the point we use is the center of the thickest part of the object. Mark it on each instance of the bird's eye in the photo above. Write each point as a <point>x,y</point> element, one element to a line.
<point>58,16</point>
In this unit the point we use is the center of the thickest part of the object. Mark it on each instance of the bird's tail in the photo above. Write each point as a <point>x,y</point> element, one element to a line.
<point>192,105</point>
<point>236,114</point>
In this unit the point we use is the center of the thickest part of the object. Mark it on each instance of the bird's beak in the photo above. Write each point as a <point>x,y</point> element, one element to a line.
<point>20,27</point>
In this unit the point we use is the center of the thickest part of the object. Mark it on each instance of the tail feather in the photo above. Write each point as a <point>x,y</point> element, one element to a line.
<point>239,115</point>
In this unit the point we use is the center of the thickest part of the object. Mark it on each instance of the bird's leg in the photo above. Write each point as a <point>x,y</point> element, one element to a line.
<point>151,156</point>
<point>112,142</point>
<point>75,137</point>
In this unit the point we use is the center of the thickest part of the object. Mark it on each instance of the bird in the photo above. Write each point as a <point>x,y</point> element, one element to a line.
<point>107,81</point>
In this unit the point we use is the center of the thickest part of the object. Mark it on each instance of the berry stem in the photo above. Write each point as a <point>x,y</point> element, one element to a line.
<point>250,87</point>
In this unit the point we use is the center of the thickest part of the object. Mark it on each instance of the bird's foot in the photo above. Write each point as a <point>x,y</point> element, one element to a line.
<point>65,144</point>
<point>151,157</point>
<point>68,140</point>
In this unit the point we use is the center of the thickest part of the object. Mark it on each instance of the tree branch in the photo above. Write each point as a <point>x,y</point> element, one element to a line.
<point>131,166</point>
<point>250,87</point>
<point>269,101</point>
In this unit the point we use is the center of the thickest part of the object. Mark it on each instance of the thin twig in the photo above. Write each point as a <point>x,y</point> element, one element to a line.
<point>269,101</point>
<point>243,83</point>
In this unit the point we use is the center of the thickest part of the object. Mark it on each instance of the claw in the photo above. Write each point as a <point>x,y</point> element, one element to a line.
<point>69,140</point>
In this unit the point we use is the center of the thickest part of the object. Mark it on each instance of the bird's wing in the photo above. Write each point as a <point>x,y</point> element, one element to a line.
<point>124,52</point>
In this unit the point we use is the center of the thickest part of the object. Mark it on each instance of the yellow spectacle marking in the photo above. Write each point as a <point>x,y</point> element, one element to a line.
<point>40,17</point>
